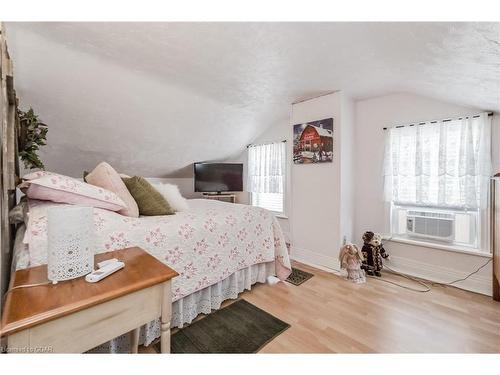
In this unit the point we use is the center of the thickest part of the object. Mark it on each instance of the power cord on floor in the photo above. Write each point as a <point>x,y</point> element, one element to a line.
<point>420,282</point>
<point>432,283</point>
<point>427,287</point>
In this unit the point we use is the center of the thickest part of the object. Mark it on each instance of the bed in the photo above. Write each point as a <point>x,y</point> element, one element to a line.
<point>219,249</point>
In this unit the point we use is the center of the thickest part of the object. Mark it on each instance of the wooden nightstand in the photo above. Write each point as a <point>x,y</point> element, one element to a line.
<point>75,316</point>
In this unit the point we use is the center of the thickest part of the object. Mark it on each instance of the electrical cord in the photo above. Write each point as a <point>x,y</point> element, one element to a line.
<point>420,282</point>
<point>469,275</point>
<point>427,287</point>
<point>339,273</point>
<point>24,286</point>
<point>29,286</point>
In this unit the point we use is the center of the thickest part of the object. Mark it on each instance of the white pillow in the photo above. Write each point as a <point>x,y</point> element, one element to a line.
<point>173,196</point>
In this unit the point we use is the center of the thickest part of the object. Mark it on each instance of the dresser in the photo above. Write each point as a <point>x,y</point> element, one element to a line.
<point>495,231</point>
<point>230,198</point>
<point>75,316</point>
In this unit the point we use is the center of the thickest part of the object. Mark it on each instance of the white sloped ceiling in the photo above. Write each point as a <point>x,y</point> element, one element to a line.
<point>152,98</point>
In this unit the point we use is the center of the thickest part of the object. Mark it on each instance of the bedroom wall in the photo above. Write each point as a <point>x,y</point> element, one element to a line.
<point>348,151</point>
<point>371,116</point>
<point>318,198</point>
<point>319,192</point>
<point>361,141</point>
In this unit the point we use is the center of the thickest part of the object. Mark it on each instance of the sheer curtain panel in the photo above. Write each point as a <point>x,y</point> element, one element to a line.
<point>266,168</point>
<point>439,163</point>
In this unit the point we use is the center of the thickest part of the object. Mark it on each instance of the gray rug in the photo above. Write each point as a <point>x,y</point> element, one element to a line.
<point>238,328</point>
<point>297,276</point>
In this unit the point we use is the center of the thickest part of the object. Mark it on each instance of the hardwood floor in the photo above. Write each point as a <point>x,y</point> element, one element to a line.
<point>330,315</point>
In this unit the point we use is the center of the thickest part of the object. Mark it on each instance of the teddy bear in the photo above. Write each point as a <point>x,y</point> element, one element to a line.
<point>373,252</point>
<point>350,259</point>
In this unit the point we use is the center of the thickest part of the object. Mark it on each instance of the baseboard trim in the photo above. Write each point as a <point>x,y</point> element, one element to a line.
<point>319,261</point>
<point>475,283</point>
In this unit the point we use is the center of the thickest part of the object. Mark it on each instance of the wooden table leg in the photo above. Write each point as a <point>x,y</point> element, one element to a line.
<point>134,340</point>
<point>166,316</point>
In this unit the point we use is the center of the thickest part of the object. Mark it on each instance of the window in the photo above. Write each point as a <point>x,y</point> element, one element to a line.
<point>270,201</point>
<point>266,175</point>
<point>436,178</point>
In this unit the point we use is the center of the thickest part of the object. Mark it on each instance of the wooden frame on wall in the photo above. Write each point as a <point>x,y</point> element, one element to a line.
<point>9,160</point>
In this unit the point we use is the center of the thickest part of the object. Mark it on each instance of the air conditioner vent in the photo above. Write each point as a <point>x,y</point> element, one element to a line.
<point>430,214</point>
<point>430,224</point>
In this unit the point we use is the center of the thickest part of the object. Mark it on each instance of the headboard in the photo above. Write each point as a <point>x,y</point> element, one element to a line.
<point>9,160</point>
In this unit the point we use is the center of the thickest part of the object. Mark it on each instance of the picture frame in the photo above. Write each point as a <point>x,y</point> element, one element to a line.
<point>313,142</point>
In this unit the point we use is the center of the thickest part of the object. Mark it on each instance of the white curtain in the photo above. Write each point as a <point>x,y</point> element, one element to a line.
<point>266,168</point>
<point>442,163</point>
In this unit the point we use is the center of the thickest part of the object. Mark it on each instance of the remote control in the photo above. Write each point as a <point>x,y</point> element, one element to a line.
<point>103,272</point>
<point>106,262</point>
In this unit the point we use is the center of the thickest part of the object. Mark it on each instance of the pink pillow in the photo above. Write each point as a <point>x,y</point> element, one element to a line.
<point>63,189</point>
<point>106,177</point>
<point>38,174</point>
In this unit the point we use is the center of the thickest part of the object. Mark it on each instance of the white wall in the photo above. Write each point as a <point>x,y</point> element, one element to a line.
<point>319,197</point>
<point>371,116</point>
<point>325,202</point>
<point>347,149</point>
<point>319,192</point>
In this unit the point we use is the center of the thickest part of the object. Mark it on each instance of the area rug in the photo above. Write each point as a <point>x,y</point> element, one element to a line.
<point>297,276</point>
<point>238,328</point>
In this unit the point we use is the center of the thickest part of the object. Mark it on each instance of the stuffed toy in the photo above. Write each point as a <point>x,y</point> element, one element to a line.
<point>350,260</point>
<point>373,252</point>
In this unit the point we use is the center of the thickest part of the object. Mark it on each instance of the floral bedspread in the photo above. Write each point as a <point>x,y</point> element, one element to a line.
<point>204,245</point>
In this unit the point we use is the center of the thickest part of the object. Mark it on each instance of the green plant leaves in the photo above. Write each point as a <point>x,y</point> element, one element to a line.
<point>32,135</point>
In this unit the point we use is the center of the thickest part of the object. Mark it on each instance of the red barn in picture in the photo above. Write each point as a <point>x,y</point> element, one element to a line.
<point>313,142</point>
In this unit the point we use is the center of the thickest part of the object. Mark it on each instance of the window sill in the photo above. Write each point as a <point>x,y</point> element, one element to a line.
<point>280,215</point>
<point>451,248</point>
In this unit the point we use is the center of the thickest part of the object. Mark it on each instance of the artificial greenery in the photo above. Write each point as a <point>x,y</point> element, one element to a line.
<point>32,135</point>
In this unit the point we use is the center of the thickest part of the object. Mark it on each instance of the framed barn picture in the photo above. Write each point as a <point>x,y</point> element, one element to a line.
<point>313,142</point>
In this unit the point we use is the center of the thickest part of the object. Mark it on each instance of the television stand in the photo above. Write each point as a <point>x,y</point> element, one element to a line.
<point>223,197</point>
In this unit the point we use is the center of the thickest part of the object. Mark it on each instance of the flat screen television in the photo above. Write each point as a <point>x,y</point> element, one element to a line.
<point>218,177</point>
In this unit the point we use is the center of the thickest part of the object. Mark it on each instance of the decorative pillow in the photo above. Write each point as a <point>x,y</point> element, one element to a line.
<point>86,173</point>
<point>63,189</point>
<point>106,177</point>
<point>173,196</point>
<point>149,200</point>
<point>38,174</point>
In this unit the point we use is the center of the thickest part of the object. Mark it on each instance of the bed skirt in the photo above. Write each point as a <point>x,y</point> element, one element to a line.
<point>185,310</point>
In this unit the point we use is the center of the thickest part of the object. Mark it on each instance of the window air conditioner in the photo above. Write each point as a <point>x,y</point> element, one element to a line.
<point>431,224</point>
